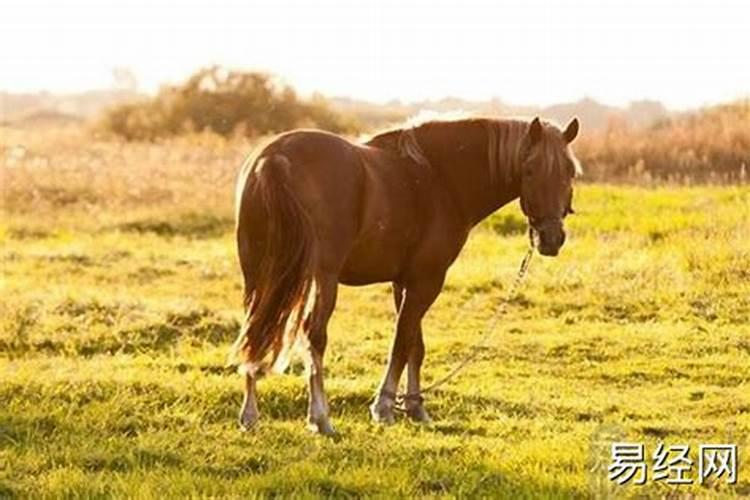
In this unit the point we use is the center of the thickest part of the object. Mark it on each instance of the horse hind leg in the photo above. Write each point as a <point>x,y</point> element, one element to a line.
<point>317,337</point>
<point>249,413</point>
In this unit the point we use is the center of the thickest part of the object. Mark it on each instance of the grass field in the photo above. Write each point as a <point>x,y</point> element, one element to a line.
<point>115,323</point>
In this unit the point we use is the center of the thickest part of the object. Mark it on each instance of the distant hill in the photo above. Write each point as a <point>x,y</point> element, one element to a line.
<point>19,108</point>
<point>84,105</point>
<point>43,117</point>
<point>598,116</point>
<point>594,115</point>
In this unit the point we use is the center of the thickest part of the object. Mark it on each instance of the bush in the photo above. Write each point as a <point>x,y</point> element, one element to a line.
<point>226,103</point>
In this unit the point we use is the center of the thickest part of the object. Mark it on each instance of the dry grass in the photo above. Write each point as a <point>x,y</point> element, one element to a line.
<point>49,169</point>
<point>712,145</point>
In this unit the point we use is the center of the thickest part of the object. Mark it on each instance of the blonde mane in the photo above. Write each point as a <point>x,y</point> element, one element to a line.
<point>406,139</point>
<point>408,145</point>
<point>505,143</point>
<point>504,147</point>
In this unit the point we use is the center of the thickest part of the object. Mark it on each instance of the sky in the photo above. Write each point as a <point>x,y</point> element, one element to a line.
<point>685,53</point>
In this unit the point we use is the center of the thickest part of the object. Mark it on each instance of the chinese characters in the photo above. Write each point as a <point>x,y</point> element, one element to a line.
<point>672,464</point>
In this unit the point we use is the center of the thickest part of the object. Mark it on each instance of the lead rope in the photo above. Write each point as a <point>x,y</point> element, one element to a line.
<point>499,312</point>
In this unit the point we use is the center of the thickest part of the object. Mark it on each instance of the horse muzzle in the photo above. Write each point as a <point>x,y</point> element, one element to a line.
<point>548,236</point>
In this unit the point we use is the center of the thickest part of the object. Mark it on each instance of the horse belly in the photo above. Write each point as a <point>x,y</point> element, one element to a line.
<point>373,261</point>
<point>389,220</point>
<point>384,244</point>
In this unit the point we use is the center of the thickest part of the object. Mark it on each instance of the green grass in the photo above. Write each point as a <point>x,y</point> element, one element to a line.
<point>114,331</point>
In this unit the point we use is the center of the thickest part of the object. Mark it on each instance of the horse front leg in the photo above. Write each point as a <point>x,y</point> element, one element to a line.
<point>416,297</point>
<point>414,401</point>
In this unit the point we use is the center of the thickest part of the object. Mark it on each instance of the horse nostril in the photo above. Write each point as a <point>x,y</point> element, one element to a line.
<point>562,238</point>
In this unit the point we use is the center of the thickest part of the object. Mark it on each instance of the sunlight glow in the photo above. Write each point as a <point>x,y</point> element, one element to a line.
<point>685,53</point>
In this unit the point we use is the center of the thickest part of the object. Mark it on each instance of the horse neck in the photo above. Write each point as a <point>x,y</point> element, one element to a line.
<point>459,152</point>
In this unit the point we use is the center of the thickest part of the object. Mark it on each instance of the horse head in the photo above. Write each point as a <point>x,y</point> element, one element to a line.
<point>548,167</point>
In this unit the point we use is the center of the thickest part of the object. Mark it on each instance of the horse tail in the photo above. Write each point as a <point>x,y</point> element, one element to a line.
<point>276,246</point>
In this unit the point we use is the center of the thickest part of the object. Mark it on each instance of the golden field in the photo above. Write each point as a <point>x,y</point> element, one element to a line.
<point>121,294</point>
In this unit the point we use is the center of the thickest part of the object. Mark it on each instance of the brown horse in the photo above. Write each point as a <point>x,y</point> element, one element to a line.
<point>315,210</point>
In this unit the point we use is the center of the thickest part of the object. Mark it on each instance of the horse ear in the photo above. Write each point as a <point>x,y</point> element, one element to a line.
<point>571,131</point>
<point>535,131</point>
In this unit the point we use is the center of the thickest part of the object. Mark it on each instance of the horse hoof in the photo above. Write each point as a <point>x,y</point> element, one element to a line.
<point>419,414</point>
<point>247,426</point>
<point>321,426</point>
<point>248,421</point>
<point>382,414</point>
